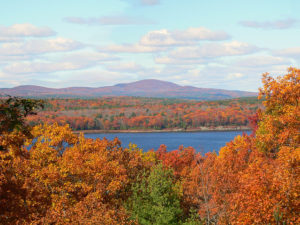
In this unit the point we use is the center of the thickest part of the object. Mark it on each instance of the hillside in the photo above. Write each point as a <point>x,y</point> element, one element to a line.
<point>141,114</point>
<point>143,88</point>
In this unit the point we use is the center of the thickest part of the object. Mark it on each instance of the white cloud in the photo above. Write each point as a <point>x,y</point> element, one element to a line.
<point>176,61</point>
<point>10,58</point>
<point>39,67</point>
<point>160,38</point>
<point>170,70</point>
<point>95,78</point>
<point>24,30</point>
<point>38,46</point>
<point>157,72</point>
<point>149,2</point>
<point>2,75</point>
<point>10,39</point>
<point>288,52</point>
<point>128,67</point>
<point>278,70</point>
<point>72,61</point>
<point>235,76</point>
<point>262,61</point>
<point>88,57</point>
<point>278,24</point>
<point>165,37</point>
<point>7,80</point>
<point>212,50</point>
<point>200,33</point>
<point>163,40</point>
<point>108,20</point>
<point>131,48</point>
<point>206,53</point>
<point>225,77</point>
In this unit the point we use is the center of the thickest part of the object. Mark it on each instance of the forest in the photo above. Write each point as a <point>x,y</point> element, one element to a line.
<point>137,113</point>
<point>49,175</point>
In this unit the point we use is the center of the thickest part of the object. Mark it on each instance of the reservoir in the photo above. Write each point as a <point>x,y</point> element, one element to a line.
<point>204,141</point>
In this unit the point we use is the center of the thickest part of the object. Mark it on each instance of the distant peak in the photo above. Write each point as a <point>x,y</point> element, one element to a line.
<point>153,81</point>
<point>149,83</point>
<point>27,86</point>
<point>30,87</point>
<point>147,87</point>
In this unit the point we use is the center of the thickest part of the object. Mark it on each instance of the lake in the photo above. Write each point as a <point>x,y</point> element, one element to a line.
<point>203,141</point>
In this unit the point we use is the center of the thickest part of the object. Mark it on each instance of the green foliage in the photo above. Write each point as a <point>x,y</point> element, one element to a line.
<point>193,219</point>
<point>13,110</point>
<point>99,115</point>
<point>133,114</point>
<point>154,199</point>
<point>278,216</point>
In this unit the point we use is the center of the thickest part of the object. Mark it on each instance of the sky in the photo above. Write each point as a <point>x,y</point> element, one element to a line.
<point>93,43</point>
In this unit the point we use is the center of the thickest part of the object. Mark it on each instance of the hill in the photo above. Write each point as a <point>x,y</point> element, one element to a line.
<point>143,88</point>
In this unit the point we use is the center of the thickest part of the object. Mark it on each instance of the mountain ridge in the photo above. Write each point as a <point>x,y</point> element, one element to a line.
<point>142,88</point>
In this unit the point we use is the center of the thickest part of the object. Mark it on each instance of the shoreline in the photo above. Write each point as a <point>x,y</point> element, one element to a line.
<point>204,129</point>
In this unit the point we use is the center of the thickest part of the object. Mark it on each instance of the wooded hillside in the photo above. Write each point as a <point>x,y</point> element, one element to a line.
<point>125,113</point>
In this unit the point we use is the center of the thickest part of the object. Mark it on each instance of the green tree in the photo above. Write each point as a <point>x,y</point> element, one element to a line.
<point>13,111</point>
<point>194,219</point>
<point>155,199</point>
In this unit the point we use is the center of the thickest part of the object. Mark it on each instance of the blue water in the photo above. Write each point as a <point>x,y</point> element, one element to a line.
<point>201,141</point>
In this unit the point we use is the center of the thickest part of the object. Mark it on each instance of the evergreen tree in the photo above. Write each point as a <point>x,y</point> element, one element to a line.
<point>154,199</point>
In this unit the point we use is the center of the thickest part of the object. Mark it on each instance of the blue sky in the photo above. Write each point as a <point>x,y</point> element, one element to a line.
<point>213,44</point>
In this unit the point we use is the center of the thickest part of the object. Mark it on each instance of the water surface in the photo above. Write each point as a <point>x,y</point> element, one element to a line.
<point>203,141</point>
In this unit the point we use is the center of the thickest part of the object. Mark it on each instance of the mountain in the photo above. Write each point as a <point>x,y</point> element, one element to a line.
<point>142,88</point>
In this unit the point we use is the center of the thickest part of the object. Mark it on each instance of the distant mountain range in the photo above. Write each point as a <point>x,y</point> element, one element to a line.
<point>143,88</point>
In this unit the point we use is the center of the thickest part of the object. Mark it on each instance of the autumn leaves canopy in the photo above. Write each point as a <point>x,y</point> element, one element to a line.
<point>53,176</point>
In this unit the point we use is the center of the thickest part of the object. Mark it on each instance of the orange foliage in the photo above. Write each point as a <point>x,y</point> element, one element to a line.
<point>121,113</point>
<point>61,178</point>
<point>68,179</point>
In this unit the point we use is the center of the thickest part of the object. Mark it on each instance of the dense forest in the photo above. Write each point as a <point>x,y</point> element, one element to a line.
<point>49,175</point>
<point>125,113</point>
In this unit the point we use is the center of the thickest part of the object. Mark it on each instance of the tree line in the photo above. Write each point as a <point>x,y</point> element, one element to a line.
<point>124,113</point>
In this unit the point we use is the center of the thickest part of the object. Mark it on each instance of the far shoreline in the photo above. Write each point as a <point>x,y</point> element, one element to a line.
<point>200,129</point>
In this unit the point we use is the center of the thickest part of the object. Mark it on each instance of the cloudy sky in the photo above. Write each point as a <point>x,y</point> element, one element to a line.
<point>213,44</point>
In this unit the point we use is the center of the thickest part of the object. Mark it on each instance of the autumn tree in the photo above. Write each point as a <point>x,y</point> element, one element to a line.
<point>13,157</point>
<point>280,121</point>
<point>49,175</point>
<point>267,188</point>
